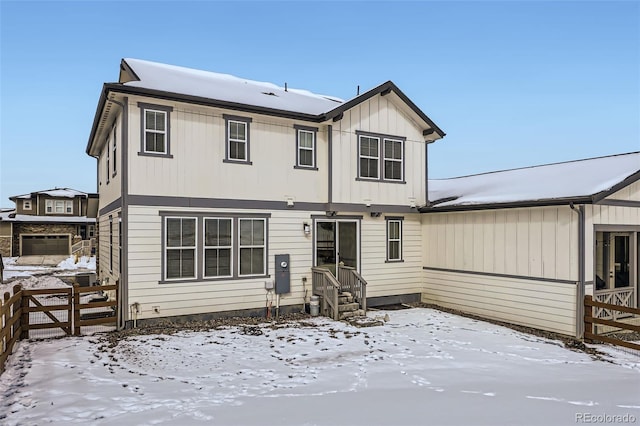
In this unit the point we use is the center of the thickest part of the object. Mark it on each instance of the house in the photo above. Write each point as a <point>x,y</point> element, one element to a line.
<point>221,195</point>
<point>524,246</point>
<point>47,222</point>
<point>206,179</point>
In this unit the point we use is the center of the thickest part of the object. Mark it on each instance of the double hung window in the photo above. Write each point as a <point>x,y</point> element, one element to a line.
<point>180,246</point>
<point>380,157</point>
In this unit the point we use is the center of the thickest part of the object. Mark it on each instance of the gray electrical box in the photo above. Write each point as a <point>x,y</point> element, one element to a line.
<point>283,280</point>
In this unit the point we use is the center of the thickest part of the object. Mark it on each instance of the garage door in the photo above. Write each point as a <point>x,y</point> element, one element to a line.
<point>45,244</point>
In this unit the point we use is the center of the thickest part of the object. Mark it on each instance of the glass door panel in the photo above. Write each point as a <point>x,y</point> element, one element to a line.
<point>348,244</point>
<point>326,253</point>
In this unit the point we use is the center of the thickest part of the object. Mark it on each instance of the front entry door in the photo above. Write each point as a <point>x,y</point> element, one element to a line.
<point>336,241</point>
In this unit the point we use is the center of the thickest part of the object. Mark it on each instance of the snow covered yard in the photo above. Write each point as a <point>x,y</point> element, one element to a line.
<point>69,266</point>
<point>422,367</point>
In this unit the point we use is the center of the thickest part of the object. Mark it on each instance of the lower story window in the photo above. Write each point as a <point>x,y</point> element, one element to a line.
<point>217,247</point>
<point>180,246</point>
<point>252,246</point>
<point>394,239</point>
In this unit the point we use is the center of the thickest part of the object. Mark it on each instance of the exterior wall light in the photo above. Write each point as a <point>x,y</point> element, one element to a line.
<point>306,228</point>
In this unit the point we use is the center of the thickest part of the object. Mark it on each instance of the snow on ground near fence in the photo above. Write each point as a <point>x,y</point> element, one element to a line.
<point>422,367</point>
<point>66,267</point>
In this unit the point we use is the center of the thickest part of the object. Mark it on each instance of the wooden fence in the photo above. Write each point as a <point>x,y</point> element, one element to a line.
<point>590,320</point>
<point>55,308</point>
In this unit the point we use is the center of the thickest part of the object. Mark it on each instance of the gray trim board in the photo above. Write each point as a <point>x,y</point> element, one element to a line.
<point>114,205</point>
<point>394,300</point>
<point>616,228</point>
<point>325,217</point>
<point>433,206</point>
<point>227,203</point>
<point>162,108</point>
<point>617,187</point>
<point>492,274</point>
<point>238,119</point>
<point>619,203</point>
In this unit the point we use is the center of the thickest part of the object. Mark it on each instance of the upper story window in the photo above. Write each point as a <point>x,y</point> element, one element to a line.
<point>26,205</point>
<point>108,160</point>
<point>306,147</point>
<point>380,157</point>
<point>155,130</point>
<point>59,207</point>
<point>237,147</point>
<point>115,148</point>
<point>369,157</point>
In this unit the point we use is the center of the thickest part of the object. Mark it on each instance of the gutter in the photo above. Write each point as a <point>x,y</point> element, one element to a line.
<point>581,271</point>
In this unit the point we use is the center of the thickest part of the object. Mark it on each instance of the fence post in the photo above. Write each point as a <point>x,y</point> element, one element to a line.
<point>76,310</point>
<point>3,323</point>
<point>17,327</point>
<point>24,318</point>
<point>588,312</point>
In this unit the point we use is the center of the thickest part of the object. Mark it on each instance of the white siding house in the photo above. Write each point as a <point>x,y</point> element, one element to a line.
<point>524,246</point>
<point>204,178</point>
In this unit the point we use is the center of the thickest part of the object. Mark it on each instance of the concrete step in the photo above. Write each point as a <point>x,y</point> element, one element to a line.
<point>348,307</point>
<point>345,299</point>
<point>349,314</point>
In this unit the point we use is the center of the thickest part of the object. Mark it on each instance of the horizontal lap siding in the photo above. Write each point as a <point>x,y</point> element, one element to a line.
<point>391,278</point>
<point>145,254</point>
<point>547,306</point>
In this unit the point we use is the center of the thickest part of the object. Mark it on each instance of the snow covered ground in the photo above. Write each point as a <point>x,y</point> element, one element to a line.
<point>422,367</point>
<point>13,271</point>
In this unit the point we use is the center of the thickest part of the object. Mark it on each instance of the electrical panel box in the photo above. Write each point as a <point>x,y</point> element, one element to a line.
<point>283,280</point>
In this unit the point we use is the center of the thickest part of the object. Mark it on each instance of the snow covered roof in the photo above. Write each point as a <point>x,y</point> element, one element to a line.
<point>225,87</point>
<point>579,181</point>
<point>56,192</point>
<point>10,216</point>
<point>172,82</point>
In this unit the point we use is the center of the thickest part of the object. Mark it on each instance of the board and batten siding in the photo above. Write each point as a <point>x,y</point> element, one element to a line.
<point>529,250</point>
<point>197,167</point>
<point>285,236</point>
<point>379,114</point>
<point>110,189</point>
<point>391,278</point>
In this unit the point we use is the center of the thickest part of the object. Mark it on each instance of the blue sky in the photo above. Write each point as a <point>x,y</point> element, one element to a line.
<point>511,83</point>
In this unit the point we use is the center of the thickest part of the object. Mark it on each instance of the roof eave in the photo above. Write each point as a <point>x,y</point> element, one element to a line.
<point>615,188</point>
<point>381,89</point>
<point>509,205</point>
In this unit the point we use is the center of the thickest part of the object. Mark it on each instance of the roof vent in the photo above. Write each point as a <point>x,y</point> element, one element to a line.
<point>269,93</point>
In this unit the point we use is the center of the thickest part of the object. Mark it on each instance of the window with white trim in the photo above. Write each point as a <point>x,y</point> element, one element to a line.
<point>237,141</point>
<point>369,157</point>
<point>393,159</point>
<point>252,238</point>
<point>217,247</point>
<point>155,131</point>
<point>180,248</point>
<point>394,239</point>
<point>26,204</point>
<point>306,147</point>
<point>59,207</point>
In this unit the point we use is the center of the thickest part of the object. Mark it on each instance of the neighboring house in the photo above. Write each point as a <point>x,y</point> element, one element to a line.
<point>204,178</point>
<point>525,245</point>
<point>47,222</point>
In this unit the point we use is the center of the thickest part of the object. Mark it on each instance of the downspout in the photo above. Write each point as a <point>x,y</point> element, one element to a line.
<point>330,167</point>
<point>581,271</point>
<point>123,291</point>
<point>426,173</point>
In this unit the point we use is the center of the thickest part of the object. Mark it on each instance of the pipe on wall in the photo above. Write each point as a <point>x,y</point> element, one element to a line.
<point>581,271</point>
